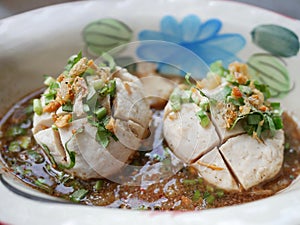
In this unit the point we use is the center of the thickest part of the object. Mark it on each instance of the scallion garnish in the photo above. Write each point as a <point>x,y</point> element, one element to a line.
<point>49,80</point>
<point>72,61</point>
<point>78,195</point>
<point>67,106</point>
<point>37,106</point>
<point>175,100</point>
<point>203,117</point>
<point>196,196</point>
<point>248,103</point>
<point>100,113</point>
<point>98,185</point>
<point>14,146</point>
<point>15,131</point>
<point>187,79</point>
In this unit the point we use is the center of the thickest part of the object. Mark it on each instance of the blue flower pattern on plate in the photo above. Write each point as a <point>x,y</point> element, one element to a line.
<point>202,38</point>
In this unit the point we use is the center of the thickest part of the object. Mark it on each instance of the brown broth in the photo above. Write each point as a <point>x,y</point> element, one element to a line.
<point>182,190</point>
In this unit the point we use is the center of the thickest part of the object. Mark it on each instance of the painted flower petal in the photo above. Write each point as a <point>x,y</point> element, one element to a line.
<point>105,34</point>
<point>209,29</point>
<point>175,55</point>
<point>170,26</point>
<point>276,39</point>
<point>211,53</point>
<point>155,35</point>
<point>272,71</point>
<point>190,27</point>
<point>178,64</point>
<point>228,42</point>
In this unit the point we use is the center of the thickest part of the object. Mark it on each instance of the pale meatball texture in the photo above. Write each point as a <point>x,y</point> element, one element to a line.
<point>87,144</point>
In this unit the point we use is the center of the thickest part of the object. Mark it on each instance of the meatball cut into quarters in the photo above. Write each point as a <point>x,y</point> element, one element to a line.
<point>95,121</point>
<point>226,150</point>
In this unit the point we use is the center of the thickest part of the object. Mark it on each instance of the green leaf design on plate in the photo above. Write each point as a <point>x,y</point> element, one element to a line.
<point>272,71</point>
<point>276,39</point>
<point>105,34</point>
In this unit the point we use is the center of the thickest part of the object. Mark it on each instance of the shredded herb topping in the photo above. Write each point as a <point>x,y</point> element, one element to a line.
<point>247,101</point>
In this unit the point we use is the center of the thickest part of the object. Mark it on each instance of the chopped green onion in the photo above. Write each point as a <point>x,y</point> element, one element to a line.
<point>40,182</point>
<point>190,182</point>
<point>196,196</point>
<point>108,89</point>
<point>29,109</point>
<point>230,78</point>
<point>210,188</point>
<point>24,141</point>
<point>220,193</point>
<point>49,80</point>
<point>206,194</point>
<point>54,127</point>
<point>101,113</point>
<point>14,146</point>
<point>98,185</point>
<point>210,199</point>
<point>175,101</point>
<point>98,84</point>
<point>112,88</point>
<point>15,131</point>
<point>37,106</point>
<point>35,156</point>
<point>200,180</point>
<point>73,60</point>
<point>203,117</point>
<point>51,93</point>
<point>67,107</point>
<point>78,195</point>
<point>218,68</point>
<point>204,104</point>
<point>186,96</point>
<point>187,79</point>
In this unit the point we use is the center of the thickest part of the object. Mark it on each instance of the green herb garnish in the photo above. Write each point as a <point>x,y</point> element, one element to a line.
<point>203,117</point>
<point>67,106</point>
<point>196,196</point>
<point>78,195</point>
<point>73,60</point>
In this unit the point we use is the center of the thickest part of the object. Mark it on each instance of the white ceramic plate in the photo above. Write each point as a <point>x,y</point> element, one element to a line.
<point>40,41</point>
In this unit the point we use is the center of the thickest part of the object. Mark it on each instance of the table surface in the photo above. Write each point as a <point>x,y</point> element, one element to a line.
<point>289,8</point>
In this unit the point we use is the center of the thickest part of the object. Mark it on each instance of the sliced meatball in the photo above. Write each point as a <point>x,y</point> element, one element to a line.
<point>128,114</point>
<point>213,169</point>
<point>41,122</point>
<point>220,125</point>
<point>130,103</point>
<point>251,161</point>
<point>185,135</point>
<point>157,90</point>
<point>92,159</point>
<point>49,139</point>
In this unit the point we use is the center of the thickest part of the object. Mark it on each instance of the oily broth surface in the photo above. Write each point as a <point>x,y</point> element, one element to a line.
<point>181,191</point>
